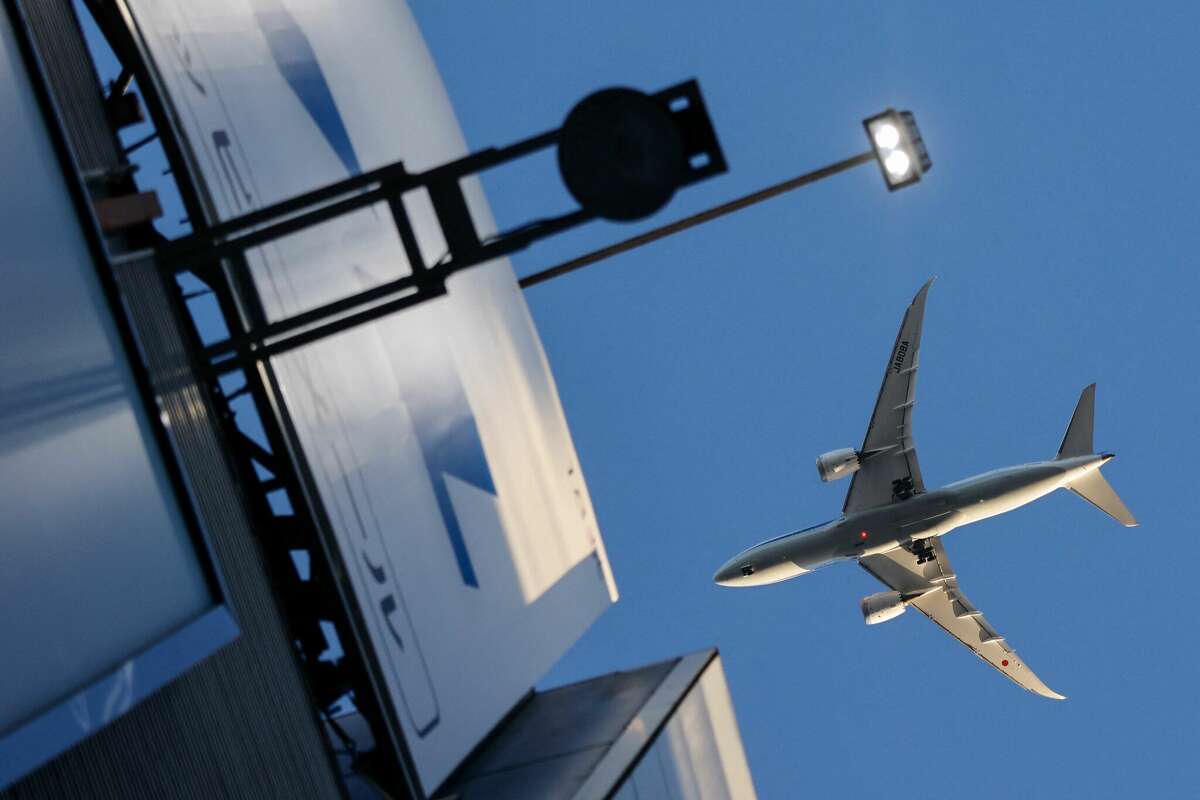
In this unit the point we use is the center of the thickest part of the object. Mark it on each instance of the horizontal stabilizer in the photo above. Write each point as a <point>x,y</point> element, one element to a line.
<point>1093,488</point>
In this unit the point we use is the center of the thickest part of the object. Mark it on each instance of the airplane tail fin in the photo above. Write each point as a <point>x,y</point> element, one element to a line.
<point>1077,441</point>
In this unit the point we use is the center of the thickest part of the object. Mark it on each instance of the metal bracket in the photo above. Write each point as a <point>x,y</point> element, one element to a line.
<point>203,251</point>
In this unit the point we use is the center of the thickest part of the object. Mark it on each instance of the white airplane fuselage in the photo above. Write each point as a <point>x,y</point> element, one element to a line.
<point>884,528</point>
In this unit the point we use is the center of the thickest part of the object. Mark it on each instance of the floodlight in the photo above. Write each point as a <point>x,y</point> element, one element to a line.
<point>897,163</point>
<point>898,147</point>
<point>886,136</point>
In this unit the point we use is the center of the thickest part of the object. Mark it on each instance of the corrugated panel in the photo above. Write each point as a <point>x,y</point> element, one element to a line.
<point>73,81</point>
<point>240,724</point>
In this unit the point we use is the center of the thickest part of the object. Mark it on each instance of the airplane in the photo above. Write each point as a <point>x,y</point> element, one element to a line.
<point>893,527</point>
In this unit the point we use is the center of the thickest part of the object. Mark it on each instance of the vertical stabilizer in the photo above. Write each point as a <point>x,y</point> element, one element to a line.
<point>1077,441</point>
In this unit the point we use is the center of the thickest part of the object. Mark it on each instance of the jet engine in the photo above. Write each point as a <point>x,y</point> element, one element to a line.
<point>837,464</point>
<point>883,606</point>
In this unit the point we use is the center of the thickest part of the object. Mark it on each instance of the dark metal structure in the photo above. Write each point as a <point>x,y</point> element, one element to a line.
<point>908,143</point>
<point>665,141</point>
<point>695,219</point>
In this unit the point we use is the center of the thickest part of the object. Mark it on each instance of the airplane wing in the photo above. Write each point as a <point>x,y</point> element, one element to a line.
<point>944,603</point>
<point>889,470</point>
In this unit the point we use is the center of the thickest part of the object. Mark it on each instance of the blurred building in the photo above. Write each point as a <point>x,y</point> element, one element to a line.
<point>665,730</point>
<point>234,569</point>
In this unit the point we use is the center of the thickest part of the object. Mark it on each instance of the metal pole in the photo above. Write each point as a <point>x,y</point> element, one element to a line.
<point>695,219</point>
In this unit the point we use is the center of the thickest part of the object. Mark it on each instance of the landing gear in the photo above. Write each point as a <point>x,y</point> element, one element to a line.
<point>923,551</point>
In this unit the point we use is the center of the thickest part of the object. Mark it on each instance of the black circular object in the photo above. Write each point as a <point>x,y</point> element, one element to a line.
<point>620,154</point>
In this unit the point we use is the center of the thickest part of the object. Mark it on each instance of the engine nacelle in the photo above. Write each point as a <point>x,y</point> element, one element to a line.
<point>837,464</point>
<point>883,606</point>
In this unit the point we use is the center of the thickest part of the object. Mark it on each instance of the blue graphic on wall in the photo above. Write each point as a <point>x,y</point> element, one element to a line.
<point>441,416</point>
<point>450,443</point>
<point>294,56</point>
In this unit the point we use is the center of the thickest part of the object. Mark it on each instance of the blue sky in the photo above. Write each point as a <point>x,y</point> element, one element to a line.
<point>702,375</point>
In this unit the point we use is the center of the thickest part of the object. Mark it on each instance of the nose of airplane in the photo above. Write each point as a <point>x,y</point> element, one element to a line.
<point>755,568</point>
<point>730,574</point>
<point>735,572</point>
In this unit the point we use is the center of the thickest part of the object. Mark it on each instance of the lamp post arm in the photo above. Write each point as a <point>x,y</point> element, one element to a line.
<point>695,219</point>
